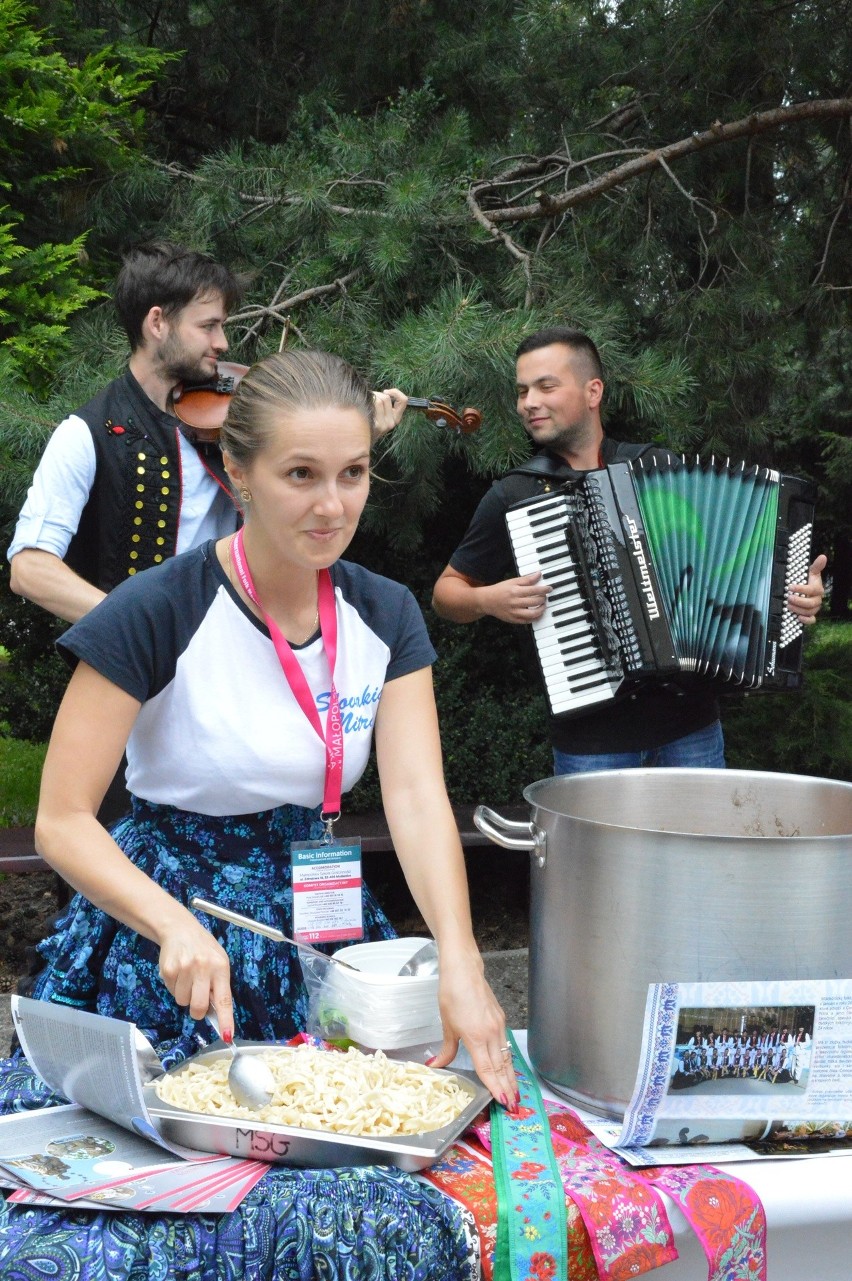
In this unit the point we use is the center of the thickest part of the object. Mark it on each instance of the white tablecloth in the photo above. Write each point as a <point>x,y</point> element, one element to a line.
<point>808,1206</point>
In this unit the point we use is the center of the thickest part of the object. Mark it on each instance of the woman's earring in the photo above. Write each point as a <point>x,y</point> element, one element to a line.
<point>245,494</point>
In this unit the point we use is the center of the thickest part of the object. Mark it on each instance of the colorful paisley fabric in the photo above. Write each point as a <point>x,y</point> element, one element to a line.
<point>370,1224</point>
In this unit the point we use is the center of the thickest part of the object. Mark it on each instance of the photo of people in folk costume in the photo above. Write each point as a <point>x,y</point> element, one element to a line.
<point>743,1051</point>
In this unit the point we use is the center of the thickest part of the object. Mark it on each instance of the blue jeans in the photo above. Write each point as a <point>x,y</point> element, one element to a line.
<point>705,749</point>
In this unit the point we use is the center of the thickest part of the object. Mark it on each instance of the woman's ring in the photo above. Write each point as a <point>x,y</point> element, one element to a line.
<point>505,1049</point>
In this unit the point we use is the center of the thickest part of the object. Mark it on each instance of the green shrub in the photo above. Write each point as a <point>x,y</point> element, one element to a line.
<point>20,775</point>
<point>806,731</point>
<point>32,677</point>
<point>492,713</point>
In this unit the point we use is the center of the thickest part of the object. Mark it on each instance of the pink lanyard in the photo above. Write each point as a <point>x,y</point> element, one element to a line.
<point>332,737</point>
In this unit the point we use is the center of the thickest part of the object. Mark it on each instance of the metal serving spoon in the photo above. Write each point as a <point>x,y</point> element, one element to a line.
<point>249,1079</point>
<point>424,960</point>
<point>236,918</point>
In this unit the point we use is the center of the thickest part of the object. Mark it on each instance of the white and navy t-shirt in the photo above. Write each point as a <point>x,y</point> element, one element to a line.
<point>220,731</point>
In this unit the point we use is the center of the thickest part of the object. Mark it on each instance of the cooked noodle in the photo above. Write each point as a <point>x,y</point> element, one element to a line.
<point>351,1093</point>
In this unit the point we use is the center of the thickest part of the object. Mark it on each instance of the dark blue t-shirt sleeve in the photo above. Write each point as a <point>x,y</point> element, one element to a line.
<point>412,648</point>
<point>136,634</point>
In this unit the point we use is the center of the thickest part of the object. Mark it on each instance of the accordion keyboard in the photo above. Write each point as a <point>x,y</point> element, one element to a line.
<point>798,563</point>
<point>576,672</point>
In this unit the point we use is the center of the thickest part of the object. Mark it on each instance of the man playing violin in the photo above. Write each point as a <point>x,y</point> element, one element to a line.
<point>123,484</point>
<point>119,486</point>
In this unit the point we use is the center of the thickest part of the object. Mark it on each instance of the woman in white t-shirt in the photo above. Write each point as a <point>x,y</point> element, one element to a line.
<point>236,742</point>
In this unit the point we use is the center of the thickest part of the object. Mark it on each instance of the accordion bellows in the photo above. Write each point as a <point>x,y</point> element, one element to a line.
<point>666,567</point>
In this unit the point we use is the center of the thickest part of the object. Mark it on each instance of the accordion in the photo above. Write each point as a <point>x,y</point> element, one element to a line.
<point>664,567</point>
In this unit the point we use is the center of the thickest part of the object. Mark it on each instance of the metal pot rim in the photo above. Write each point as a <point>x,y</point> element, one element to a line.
<point>658,775</point>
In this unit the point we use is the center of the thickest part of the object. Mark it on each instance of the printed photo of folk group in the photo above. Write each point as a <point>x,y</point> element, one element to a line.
<point>743,1050</point>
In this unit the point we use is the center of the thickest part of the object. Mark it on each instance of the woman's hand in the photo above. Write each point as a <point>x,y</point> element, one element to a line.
<point>196,970</point>
<point>471,1013</point>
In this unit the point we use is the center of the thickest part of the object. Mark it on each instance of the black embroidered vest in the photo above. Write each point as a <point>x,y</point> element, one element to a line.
<point>130,521</point>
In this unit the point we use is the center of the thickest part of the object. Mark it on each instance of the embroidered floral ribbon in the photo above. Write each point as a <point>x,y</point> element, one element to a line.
<point>629,1230</point>
<point>531,1222</point>
<point>617,1225</point>
<point>725,1214</point>
<point>465,1173</point>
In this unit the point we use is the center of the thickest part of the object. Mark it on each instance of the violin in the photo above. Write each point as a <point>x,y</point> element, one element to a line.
<point>442,415</point>
<point>203,407</point>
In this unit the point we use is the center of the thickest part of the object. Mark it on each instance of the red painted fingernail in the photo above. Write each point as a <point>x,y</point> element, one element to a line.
<point>429,1062</point>
<point>504,1101</point>
<point>227,1037</point>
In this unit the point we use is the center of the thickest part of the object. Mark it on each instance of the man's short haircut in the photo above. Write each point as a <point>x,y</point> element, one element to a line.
<point>574,338</point>
<point>161,274</point>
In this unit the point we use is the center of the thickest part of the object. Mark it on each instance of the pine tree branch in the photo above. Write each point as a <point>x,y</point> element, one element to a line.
<point>749,126</point>
<point>620,116</point>
<point>358,182</point>
<point>254,329</point>
<point>174,170</point>
<point>23,413</point>
<point>840,209</point>
<point>565,167</point>
<point>514,250</point>
<point>693,200</point>
<point>262,203</point>
<point>277,310</point>
<point>270,202</point>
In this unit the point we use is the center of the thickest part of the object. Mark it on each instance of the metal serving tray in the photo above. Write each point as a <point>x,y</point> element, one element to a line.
<point>314,1149</point>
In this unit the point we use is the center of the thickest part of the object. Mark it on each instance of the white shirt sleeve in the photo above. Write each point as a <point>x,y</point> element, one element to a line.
<point>59,491</point>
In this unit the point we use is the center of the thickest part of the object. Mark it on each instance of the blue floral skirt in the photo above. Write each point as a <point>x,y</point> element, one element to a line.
<point>359,1224</point>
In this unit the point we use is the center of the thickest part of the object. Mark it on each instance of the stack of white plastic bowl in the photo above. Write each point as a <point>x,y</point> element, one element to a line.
<point>381,1009</point>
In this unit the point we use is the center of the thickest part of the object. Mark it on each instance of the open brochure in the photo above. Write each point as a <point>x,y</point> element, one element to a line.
<point>100,1150</point>
<point>94,1061</point>
<point>764,1068</point>
<point>63,1155</point>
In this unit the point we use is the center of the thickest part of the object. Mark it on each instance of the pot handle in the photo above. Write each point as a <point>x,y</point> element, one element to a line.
<point>499,829</point>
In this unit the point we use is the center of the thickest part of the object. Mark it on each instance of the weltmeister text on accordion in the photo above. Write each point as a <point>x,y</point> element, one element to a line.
<point>664,569</point>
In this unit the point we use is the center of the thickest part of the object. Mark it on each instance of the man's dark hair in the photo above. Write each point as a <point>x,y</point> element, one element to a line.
<point>573,338</point>
<point>160,274</point>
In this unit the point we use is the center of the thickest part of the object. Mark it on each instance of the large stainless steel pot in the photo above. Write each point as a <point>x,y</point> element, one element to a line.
<point>670,875</point>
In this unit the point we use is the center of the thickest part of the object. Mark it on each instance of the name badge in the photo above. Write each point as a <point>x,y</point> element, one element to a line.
<point>327,884</point>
